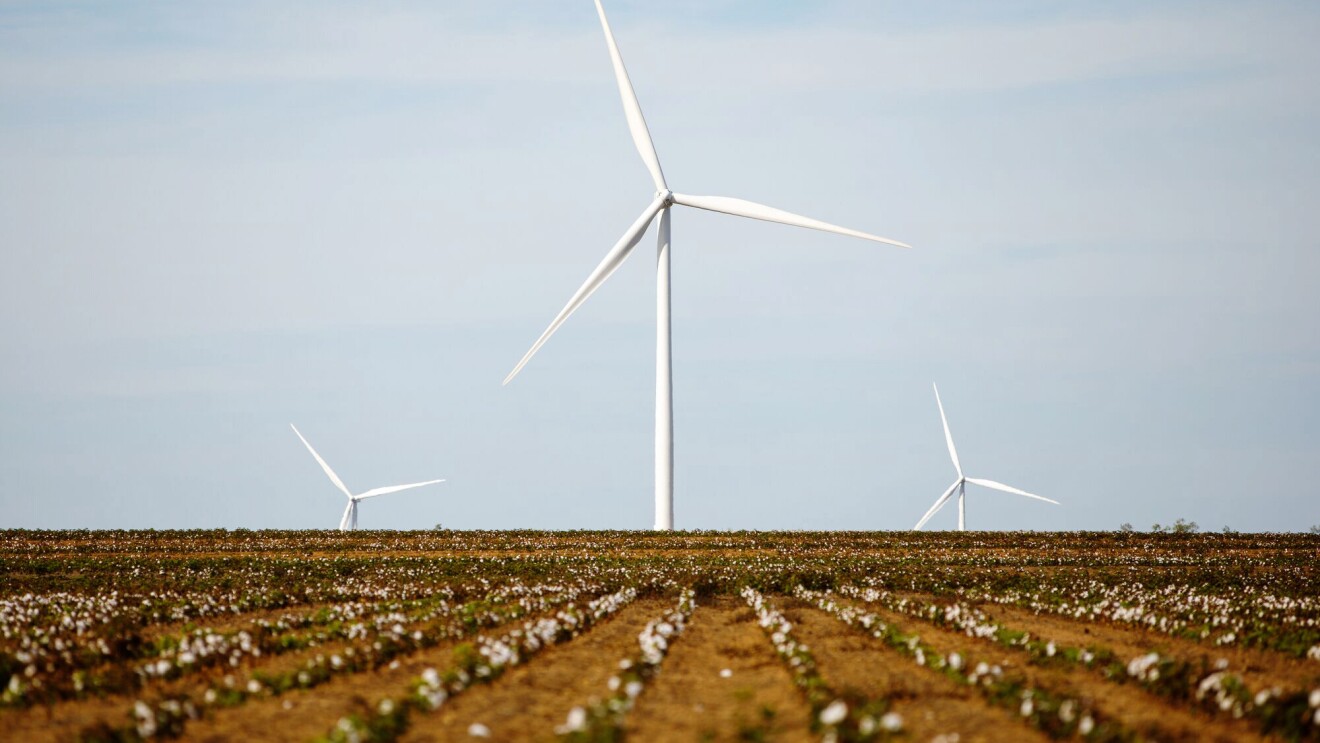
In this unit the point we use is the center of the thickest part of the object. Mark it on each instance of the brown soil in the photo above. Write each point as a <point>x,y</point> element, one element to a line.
<point>1259,668</point>
<point>930,703</point>
<point>530,700</point>
<point>689,700</point>
<point>1150,716</point>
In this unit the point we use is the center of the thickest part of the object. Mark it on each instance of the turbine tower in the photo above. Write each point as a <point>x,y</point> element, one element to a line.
<point>960,484</point>
<point>659,207</point>
<point>350,518</point>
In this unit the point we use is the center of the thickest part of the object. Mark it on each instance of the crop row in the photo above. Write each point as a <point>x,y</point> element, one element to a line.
<point>169,714</point>
<point>1215,689</point>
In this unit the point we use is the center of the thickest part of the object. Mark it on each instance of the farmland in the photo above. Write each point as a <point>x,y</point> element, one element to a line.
<point>687,636</point>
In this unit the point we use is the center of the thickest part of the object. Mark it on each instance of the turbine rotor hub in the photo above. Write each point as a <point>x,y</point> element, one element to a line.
<point>666,196</point>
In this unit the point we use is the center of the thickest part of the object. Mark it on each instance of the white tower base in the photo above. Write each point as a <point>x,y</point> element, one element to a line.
<point>664,386</point>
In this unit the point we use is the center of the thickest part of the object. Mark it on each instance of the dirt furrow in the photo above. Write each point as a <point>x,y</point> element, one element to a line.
<point>692,699</point>
<point>530,700</point>
<point>1258,668</point>
<point>931,704</point>
<point>1146,714</point>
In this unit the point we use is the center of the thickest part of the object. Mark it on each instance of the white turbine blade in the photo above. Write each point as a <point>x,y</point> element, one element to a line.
<point>948,437</point>
<point>1007,489</point>
<point>938,505</point>
<point>612,261</point>
<point>329,472</point>
<point>631,108</point>
<point>393,489</point>
<point>348,511</point>
<point>741,208</point>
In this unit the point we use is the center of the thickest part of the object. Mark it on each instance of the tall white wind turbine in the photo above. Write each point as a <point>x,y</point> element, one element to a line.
<point>960,484</point>
<point>659,207</point>
<point>350,518</point>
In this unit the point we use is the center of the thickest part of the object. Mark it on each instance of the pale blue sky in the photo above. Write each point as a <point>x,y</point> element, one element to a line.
<point>218,220</point>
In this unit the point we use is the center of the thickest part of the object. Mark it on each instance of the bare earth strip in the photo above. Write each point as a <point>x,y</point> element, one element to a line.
<point>930,703</point>
<point>1148,715</point>
<point>690,701</point>
<point>528,701</point>
<point>1259,668</point>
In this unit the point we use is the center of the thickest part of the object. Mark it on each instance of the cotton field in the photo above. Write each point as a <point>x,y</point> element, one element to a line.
<point>687,636</point>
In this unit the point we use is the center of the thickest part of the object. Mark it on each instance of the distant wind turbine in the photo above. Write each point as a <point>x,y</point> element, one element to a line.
<point>350,518</point>
<point>960,484</point>
<point>660,204</point>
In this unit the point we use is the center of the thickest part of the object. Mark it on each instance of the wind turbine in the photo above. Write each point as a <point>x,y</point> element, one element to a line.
<point>350,518</point>
<point>659,206</point>
<point>961,483</point>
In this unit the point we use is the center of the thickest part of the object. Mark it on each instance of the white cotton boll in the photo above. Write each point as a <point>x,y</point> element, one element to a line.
<point>431,677</point>
<point>726,673</point>
<point>1086,725</point>
<point>633,689</point>
<point>1315,697</point>
<point>146,719</point>
<point>892,722</point>
<point>955,661</point>
<point>576,722</point>
<point>835,713</point>
<point>477,730</point>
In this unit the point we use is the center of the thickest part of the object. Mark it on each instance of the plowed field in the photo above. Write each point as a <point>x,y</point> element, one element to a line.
<point>701,636</point>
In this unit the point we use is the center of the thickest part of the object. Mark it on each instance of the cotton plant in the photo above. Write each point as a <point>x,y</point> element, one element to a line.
<point>603,720</point>
<point>1057,715</point>
<point>483,661</point>
<point>836,718</point>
